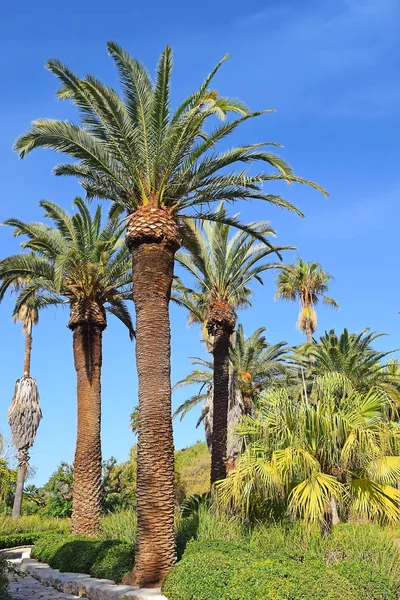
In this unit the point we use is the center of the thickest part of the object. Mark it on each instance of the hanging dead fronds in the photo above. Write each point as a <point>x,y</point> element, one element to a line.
<point>24,414</point>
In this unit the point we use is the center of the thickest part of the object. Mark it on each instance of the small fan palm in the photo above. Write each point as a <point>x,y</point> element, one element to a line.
<point>85,266</point>
<point>306,283</point>
<point>223,266</point>
<point>162,167</point>
<point>343,448</point>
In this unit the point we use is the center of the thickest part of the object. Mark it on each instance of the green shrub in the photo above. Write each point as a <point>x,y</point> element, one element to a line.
<point>374,585</point>
<point>33,523</point>
<point>3,577</point>
<point>206,569</point>
<point>114,559</point>
<point>271,580</point>
<point>120,526</point>
<point>23,539</point>
<point>105,559</point>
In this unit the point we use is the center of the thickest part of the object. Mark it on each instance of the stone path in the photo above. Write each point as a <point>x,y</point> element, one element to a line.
<point>25,587</point>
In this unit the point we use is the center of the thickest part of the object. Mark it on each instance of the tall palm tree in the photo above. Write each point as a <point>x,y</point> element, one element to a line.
<point>24,414</point>
<point>161,167</point>
<point>78,263</point>
<point>307,283</point>
<point>223,267</point>
<point>343,447</point>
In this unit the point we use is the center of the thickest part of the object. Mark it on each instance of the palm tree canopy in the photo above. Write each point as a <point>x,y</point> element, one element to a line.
<point>76,260</point>
<point>345,446</point>
<point>352,357</point>
<point>254,363</point>
<point>135,150</point>
<point>223,265</point>
<point>307,283</point>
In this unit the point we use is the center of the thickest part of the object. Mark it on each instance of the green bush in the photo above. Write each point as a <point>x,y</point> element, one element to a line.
<point>105,559</point>
<point>374,585</point>
<point>206,569</point>
<point>32,523</point>
<point>114,559</point>
<point>23,539</point>
<point>3,577</point>
<point>271,580</point>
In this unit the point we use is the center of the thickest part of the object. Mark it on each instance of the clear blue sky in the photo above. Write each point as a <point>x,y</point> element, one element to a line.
<point>330,69</point>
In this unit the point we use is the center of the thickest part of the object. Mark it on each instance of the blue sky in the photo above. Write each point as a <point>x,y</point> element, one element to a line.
<point>330,69</point>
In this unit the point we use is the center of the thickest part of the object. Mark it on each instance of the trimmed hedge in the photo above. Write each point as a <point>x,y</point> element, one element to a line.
<point>3,577</point>
<point>109,559</point>
<point>21,539</point>
<point>375,585</point>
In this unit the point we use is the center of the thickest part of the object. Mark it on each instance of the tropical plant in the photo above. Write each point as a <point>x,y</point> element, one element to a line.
<point>254,365</point>
<point>80,264</point>
<point>223,266</point>
<point>352,357</point>
<point>345,447</point>
<point>161,167</point>
<point>307,283</point>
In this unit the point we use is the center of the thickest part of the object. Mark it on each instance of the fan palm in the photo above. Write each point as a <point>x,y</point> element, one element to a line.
<point>24,414</point>
<point>161,167</point>
<point>223,266</point>
<point>352,357</point>
<point>78,263</point>
<point>307,283</point>
<point>345,447</point>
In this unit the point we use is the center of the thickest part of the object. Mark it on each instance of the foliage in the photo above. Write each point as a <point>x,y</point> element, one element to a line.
<point>3,577</point>
<point>343,447</point>
<point>192,471</point>
<point>352,357</point>
<point>306,283</point>
<point>58,492</point>
<point>24,539</point>
<point>372,584</point>
<point>119,526</point>
<point>74,261</point>
<point>34,523</point>
<point>113,561</point>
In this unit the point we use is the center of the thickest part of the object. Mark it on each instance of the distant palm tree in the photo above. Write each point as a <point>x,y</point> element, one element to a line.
<point>254,365</point>
<point>352,358</point>
<point>307,283</point>
<point>24,414</point>
<point>85,266</point>
<point>161,167</point>
<point>223,267</point>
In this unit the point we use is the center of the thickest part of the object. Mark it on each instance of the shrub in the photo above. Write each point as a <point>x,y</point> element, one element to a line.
<point>33,523</point>
<point>375,585</point>
<point>105,559</point>
<point>206,569</point>
<point>113,561</point>
<point>3,577</point>
<point>23,539</point>
<point>271,580</point>
<point>120,526</point>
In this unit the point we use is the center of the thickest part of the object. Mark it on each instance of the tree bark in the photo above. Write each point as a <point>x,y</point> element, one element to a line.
<point>220,404</point>
<point>155,555</point>
<point>309,332</point>
<point>27,354</point>
<point>19,491</point>
<point>86,496</point>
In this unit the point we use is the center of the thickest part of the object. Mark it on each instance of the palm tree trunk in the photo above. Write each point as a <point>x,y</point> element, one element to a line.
<point>27,354</point>
<point>86,498</point>
<point>19,491</point>
<point>155,554</point>
<point>309,332</point>
<point>220,404</point>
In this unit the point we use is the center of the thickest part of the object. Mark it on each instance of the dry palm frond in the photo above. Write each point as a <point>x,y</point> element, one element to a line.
<point>24,414</point>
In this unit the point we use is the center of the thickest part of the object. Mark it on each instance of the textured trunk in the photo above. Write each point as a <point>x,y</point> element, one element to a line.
<point>155,554</point>
<point>220,404</point>
<point>86,498</point>
<point>19,491</point>
<point>27,354</point>
<point>309,332</point>
<point>335,513</point>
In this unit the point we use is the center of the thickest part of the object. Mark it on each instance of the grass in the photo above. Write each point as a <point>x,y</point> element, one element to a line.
<point>34,523</point>
<point>120,526</point>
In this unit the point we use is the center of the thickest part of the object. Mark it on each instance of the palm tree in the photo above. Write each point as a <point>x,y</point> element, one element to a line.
<point>254,365</point>
<point>307,283</point>
<point>24,414</point>
<point>80,264</point>
<point>223,267</point>
<point>352,358</point>
<point>161,167</point>
<point>345,448</point>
